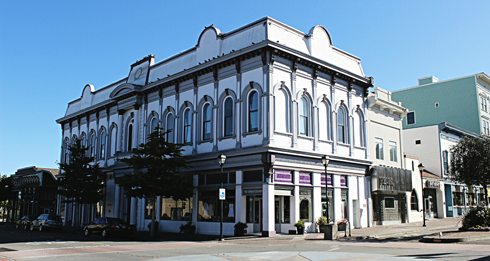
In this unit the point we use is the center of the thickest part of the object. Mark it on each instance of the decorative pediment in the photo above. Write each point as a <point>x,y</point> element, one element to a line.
<point>124,89</point>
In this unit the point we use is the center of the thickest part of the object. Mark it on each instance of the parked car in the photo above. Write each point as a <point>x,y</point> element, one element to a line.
<point>47,221</point>
<point>24,222</point>
<point>107,226</point>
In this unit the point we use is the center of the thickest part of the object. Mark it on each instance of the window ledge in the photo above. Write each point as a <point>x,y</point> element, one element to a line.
<point>205,141</point>
<point>305,137</point>
<point>343,144</point>
<point>252,133</point>
<point>283,133</point>
<point>227,137</point>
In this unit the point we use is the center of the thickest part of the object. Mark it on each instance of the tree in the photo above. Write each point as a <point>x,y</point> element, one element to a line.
<point>81,180</point>
<point>469,163</point>
<point>6,192</point>
<point>157,164</point>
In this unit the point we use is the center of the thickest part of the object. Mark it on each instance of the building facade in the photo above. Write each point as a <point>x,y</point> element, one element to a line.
<point>35,190</point>
<point>443,197</point>
<point>271,98</point>
<point>392,183</point>
<point>462,102</point>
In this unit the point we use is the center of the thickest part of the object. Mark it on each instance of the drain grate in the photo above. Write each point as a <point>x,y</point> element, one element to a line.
<point>3,249</point>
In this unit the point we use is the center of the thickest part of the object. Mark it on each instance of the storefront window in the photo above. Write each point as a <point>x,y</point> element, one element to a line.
<point>470,199</point>
<point>148,209</point>
<point>282,209</point>
<point>176,209</point>
<point>458,199</point>
<point>328,207</point>
<point>389,202</point>
<point>209,206</point>
<point>305,205</point>
<point>344,206</point>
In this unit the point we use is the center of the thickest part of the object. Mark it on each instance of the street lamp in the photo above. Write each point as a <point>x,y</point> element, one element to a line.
<point>421,169</point>
<point>221,162</point>
<point>325,160</point>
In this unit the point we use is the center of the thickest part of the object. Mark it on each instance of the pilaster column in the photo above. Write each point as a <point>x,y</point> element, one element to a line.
<point>117,200</point>
<point>238,110</point>
<point>136,128</point>
<point>133,211</point>
<point>120,128</point>
<point>268,226</point>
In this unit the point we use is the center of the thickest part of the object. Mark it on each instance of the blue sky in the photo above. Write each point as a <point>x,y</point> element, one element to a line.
<point>49,50</point>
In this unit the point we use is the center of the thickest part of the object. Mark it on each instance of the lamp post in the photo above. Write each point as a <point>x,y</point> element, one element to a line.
<point>421,169</point>
<point>221,162</point>
<point>325,160</point>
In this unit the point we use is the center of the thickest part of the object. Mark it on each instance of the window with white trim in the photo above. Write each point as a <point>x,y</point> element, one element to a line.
<point>253,111</point>
<point>206,122</point>
<point>379,149</point>
<point>411,117</point>
<point>341,125</point>
<point>393,152</point>
<point>102,144</point>
<point>187,126</point>
<point>170,127</point>
<point>228,117</point>
<point>303,116</point>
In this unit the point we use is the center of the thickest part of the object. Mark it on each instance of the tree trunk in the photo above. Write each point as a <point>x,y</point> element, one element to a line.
<point>153,228</point>
<point>486,195</point>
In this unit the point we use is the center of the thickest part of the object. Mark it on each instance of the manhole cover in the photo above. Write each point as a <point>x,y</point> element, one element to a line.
<point>3,249</point>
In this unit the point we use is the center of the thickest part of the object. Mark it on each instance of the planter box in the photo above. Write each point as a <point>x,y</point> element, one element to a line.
<point>301,230</point>
<point>239,233</point>
<point>330,232</point>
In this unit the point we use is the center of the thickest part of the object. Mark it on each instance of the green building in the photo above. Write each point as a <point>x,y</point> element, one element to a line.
<point>463,102</point>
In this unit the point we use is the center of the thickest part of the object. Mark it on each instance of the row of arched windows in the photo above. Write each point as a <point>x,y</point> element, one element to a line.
<point>205,130</point>
<point>326,123</point>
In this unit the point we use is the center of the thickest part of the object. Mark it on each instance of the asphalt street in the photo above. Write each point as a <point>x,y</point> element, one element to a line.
<point>69,245</point>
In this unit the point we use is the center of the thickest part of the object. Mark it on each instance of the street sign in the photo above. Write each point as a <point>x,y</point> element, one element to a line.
<point>222,194</point>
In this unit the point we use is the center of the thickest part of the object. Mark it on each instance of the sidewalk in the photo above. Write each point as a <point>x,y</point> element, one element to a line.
<point>443,230</point>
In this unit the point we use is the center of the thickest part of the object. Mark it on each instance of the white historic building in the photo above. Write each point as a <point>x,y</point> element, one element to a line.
<point>271,98</point>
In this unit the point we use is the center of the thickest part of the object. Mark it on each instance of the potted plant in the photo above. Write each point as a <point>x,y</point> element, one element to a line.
<point>240,228</point>
<point>300,226</point>
<point>188,228</point>
<point>322,222</point>
<point>342,224</point>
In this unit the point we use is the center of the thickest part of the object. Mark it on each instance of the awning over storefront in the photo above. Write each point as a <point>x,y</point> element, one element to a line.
<point>391,179</point>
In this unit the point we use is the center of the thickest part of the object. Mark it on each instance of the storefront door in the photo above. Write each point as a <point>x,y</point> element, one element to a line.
<point>257,215</point>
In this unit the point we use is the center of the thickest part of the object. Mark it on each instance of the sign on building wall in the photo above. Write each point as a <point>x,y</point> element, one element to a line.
<point>329,180</point>
<point>391,179</point>
<point>283,176</point>
<point>305,178</point>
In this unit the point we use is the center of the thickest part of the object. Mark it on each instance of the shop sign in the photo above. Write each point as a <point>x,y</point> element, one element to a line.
<point>329,180</point>
<point>343,181</point>
<point>284,176</point>
<point>432,184</point>
<point>305,178</point>
<point>250,192</point>
<point>391,179</point>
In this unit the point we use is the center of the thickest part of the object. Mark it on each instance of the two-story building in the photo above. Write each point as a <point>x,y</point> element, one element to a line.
<point>271,98</point>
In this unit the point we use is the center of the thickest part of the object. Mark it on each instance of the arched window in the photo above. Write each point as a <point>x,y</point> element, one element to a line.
<point>67,143</point>
<point>253,112</point>
<point>206,122</point>
<point>414,203</point>
<point>113,141</point>
<point>281,111</point>
<point>341,125</point>
<point>187,126</point>
<point>170,127</point>
<point>130,137</point>
<point>324,121</point>
<point>303,116</point>
<point>228,120</point>
<point>153,124</point>
<point>92,145</point>
<point>358,129</point>
<point>102,144</point>
<point>83,138</point>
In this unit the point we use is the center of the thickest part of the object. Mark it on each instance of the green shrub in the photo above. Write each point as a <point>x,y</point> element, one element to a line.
<point>300,223</point>
<point>476,218</point>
